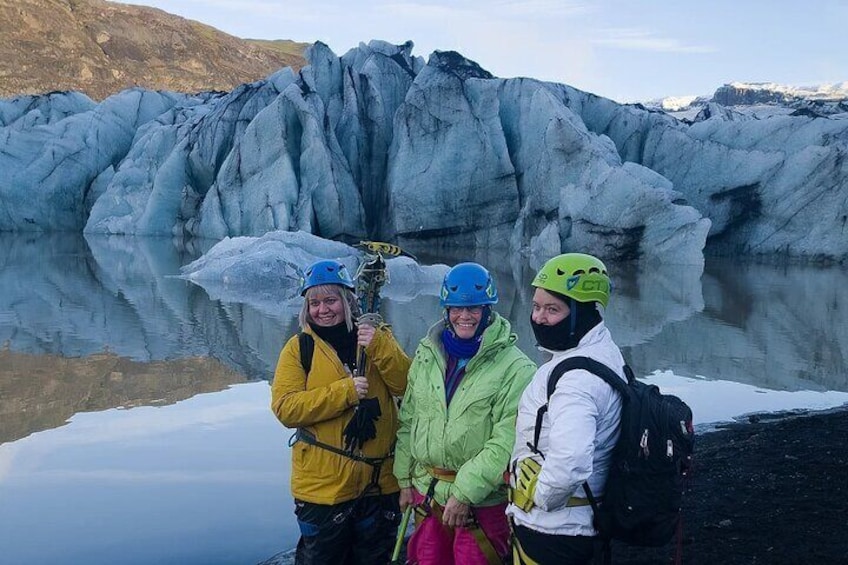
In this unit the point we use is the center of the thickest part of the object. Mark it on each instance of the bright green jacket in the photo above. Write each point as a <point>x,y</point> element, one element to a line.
<point>475,435</point>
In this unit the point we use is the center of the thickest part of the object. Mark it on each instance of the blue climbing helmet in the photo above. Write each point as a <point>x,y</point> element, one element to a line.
<point>327,271</point>
<point>468,284</point>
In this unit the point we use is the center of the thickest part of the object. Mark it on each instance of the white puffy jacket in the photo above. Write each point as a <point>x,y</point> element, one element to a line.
<point>578,434</point>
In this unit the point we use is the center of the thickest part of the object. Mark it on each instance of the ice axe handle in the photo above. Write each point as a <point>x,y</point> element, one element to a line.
<point>371,319</point>
<point>401,533</point>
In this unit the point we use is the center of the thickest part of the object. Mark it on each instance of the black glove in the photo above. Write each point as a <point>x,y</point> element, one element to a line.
<point>361,427</point>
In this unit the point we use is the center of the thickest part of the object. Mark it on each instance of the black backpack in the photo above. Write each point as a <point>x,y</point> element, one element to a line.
<point>644,490</point>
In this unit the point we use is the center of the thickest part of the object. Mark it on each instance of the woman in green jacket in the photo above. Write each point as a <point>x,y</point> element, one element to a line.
<point>457,426</point>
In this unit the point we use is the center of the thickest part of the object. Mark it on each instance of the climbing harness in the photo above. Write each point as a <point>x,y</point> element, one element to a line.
<point>376,463</point>
<point>429,508</point>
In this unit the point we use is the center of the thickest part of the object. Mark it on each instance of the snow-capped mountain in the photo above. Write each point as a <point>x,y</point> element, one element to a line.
<point>758,98</point>
<point>738,93</point>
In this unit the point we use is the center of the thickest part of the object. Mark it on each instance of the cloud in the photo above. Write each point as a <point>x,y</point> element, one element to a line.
<point>415,10</point>
<point>537,38</point>
<point>209,411</point>
<point>477,10</point>
<point>7,457</point>
<point>159,477</point>
<point>640,40</point>
<point>149,422</point>
<point>534,8</point>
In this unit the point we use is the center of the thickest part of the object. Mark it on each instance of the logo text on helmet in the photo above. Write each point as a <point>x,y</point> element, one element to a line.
<point>593,285</point>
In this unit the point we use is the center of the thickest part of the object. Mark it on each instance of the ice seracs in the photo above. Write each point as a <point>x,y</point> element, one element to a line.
<point>377,144</point>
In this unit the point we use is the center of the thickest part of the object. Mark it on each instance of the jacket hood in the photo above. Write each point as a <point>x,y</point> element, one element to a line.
<point>496,336</point>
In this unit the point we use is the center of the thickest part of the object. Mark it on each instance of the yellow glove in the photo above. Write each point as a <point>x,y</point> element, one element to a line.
<point>526,475</point>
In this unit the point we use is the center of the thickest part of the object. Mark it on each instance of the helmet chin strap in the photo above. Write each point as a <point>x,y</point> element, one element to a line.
<point>484,320</point>
<point>573,316</point>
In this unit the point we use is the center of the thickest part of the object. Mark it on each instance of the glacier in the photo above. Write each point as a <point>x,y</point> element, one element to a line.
<point>380,144</point>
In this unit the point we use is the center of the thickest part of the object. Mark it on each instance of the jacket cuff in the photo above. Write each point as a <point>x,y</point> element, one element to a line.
<point>352,397</point>
<point>445,490</point>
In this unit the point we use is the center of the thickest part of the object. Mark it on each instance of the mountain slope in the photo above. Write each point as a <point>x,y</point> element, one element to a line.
<point>100,48</point>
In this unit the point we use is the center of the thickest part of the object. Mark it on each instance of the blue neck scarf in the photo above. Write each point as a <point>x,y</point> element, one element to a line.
<point>460,348</point>
<point>465,348</point>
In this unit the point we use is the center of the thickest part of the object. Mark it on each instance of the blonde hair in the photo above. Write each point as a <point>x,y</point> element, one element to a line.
<point>351,308</point>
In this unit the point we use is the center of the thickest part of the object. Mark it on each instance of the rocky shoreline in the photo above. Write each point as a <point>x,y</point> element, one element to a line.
<point>772,490</point>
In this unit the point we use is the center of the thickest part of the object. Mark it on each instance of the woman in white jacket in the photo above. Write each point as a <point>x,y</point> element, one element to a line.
<point>551,516</point>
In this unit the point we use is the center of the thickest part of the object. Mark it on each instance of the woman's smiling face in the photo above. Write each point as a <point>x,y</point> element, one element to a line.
<point>465,320</point>
<point>326,308</point>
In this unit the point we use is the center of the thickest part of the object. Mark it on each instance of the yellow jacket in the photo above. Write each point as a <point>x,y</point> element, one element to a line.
<point>323,405</point>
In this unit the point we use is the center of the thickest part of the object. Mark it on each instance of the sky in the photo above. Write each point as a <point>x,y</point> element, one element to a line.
<point>627,50</point>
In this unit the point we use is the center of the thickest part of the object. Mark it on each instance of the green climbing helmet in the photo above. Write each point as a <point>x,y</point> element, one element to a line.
<point>575,275</point>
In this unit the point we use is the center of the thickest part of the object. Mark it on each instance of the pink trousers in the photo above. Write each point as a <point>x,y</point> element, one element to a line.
<point>433,543</point>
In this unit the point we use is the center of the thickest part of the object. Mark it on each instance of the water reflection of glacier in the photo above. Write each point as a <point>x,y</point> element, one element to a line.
<point>773,327</point>
<point>65,295</point>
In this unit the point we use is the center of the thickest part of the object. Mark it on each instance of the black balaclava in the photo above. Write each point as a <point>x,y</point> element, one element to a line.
<point>570,330</point>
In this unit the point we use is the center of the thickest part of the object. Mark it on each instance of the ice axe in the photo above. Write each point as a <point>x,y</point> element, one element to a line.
<point>404,523</point>
<point>370,278</point>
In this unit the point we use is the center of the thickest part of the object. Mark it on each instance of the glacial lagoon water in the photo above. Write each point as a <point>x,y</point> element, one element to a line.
<point>134,420</point>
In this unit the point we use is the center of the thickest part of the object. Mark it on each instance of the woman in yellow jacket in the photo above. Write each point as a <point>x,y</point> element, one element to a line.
<point>346,498</point>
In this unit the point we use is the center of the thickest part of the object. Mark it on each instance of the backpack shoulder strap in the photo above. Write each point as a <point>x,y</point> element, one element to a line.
<point>307,347</point>
<point>596,368</point>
